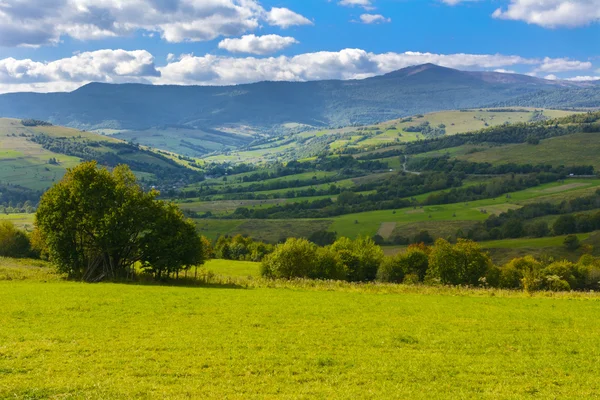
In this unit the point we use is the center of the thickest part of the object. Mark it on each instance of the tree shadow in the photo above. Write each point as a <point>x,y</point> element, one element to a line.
<point>182,282</point>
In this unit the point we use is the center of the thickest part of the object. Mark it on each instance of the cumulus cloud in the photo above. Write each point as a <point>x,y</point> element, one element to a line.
<point>114,66</point>
<point>285,18</point>
<point>584,78</point>
<point>505,71</point>
<point>366,4</point>
<point>552,13</point>
<point>562,65</point>
<point>253,44</point>
<point>455,2</point>
<point>344,64</point>
<point>34,22</point>
<point>187,69</point>
<point>374,19</point>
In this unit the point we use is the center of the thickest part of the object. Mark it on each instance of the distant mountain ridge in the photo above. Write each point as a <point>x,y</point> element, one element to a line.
<point>264,105</point>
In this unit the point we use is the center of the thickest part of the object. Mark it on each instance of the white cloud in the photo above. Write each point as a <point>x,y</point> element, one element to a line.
<point>35,22</point>
<point>583,78</point>
<point>455,2</point>
<point>114,66</point>
<point>253,44</point>
<point>551,77</point>
<point>170,57</point>
<point>552,13</point>
<point>285,18</point>
<point>187,69</point>
<point>562,65</point>
<point>366,4</point>
<point>345,64</point>
<point>505,71</point>
<point>374,19</point>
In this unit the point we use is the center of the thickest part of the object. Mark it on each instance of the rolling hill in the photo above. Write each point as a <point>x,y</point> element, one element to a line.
<point>35,157</point>
<point>268,105</point>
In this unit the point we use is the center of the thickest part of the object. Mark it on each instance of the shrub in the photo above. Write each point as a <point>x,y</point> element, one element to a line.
<point>391,270</point>
<point>530,271</point>
<point>361,258</point>
<point>565,271</point>
<point>564,225</point>
<point>13,242</point>
<point>571,242</point>
<point>293,259</point>
<point>463,263</point>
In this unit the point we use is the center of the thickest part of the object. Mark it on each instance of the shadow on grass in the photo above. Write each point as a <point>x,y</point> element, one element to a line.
<point>182,282</point>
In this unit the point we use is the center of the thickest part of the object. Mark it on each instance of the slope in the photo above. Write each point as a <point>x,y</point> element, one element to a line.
<point>265,105</point>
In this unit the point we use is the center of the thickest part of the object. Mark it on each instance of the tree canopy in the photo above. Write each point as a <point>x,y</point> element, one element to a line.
<point>98,224</point>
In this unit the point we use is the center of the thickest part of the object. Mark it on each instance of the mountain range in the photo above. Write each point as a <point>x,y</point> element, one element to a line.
<point>264,105</point>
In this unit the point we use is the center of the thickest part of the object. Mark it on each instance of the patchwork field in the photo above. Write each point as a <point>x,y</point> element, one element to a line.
<point>577,149</point>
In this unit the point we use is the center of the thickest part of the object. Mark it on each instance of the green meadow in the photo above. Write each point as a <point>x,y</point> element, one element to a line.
<point>576,149</point>
<point>262,339</point>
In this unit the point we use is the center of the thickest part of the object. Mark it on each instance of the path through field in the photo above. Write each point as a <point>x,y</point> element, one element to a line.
<point>386,229</point>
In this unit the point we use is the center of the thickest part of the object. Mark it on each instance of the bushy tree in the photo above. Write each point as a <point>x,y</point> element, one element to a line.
<point>571,242</point>
<point>361,258</point>
<point>463,263</point>
<point>172,243</point>
<point>524,271</point>
<point>293,259</point>
<point>414,261</point>
<point>96,224</point>
<point>13,242</point>
<point>564,225</point>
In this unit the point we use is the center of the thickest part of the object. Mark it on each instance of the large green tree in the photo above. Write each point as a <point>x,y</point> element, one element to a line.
<point>97,224</point>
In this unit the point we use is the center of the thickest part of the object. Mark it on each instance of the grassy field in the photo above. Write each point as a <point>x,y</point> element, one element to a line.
<point>577,149</point>
<point>25,163</point>
<point>445,219</point>
<point>119,341</point>
<point>24,221</point>
<point>269,230</point>
<point>233,268</point>
<point>455,122</point>
<point>368,223</point>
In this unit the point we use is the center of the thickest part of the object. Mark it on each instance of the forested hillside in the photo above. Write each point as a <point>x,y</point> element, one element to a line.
<point>266,105</point>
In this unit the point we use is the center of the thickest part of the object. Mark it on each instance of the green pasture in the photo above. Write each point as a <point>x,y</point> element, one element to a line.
<point>268,230</point>
<point>368,223</point>
<point>533,243</point>
<point>123,341</point>
<point>576,149</point>
<point>233,268</point>
<point>24,221</point>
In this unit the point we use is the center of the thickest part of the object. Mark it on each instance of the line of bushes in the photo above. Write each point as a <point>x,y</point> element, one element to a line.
<point>463,263</point>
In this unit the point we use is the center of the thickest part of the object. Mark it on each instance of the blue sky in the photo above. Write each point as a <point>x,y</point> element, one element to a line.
<point>55,45</point>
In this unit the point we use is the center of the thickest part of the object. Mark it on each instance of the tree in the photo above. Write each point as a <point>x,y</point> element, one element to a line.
<point>13,242</point>
<point>564,225</point>
<point>97,224</point>
<point>323,238</point>
<point>293,259</point>
<point>361,258</point>
<point>538,229</point>
<point>463,263</point>
<point>172,244</point>
<point>571,242</point>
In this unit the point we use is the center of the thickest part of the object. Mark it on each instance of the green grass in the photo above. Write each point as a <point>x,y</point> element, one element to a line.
<point>21,220</point>
<point>73,340</point>
<point>268,230</point>
<point>533,243</point>
<point>370,222</point>
<point>576,149</point>
<point>233,268</point>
